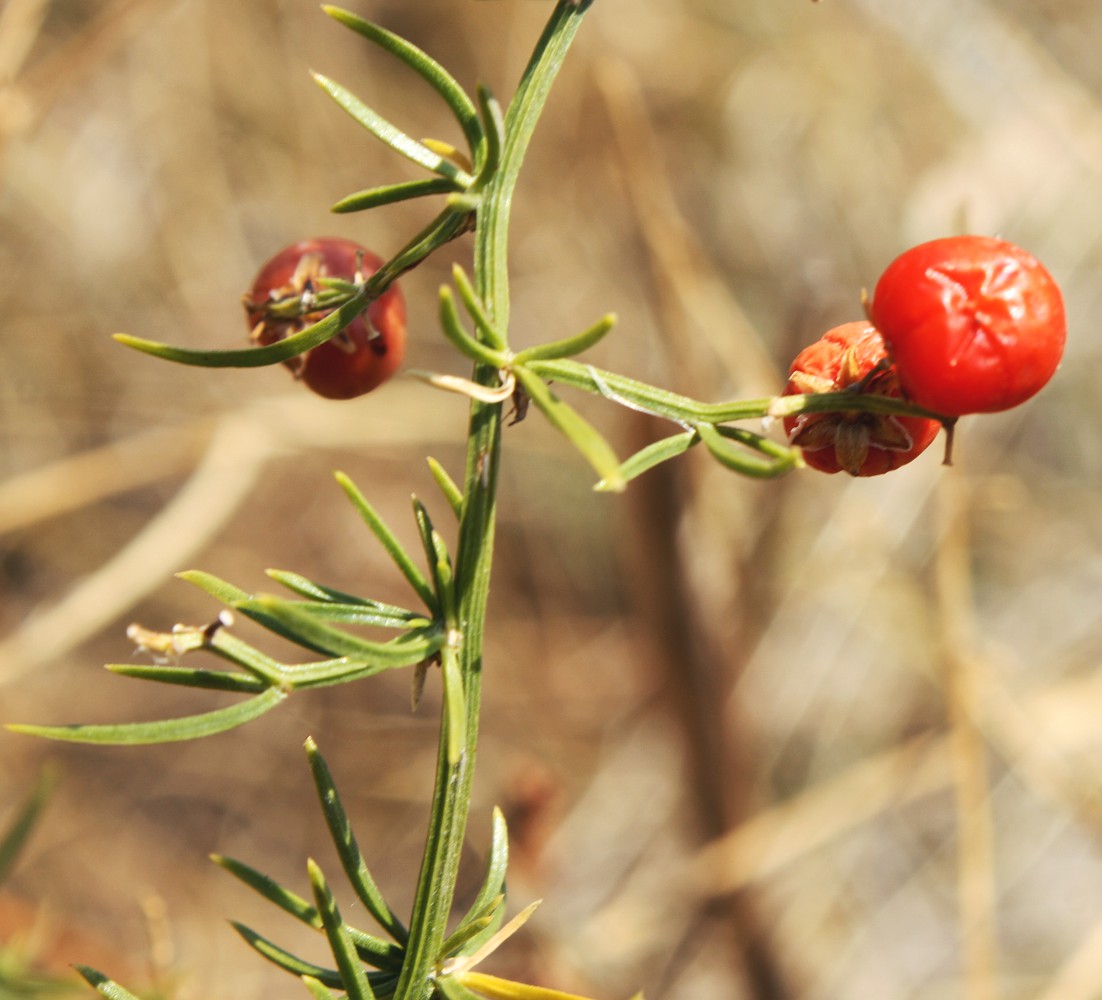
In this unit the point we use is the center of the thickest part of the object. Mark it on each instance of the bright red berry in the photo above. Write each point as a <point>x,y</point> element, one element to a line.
<point>359,358</point>
<point>852,357</point>
<point>973,324</point>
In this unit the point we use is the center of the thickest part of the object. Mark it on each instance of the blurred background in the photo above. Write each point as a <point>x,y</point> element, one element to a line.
<point>814,738</point>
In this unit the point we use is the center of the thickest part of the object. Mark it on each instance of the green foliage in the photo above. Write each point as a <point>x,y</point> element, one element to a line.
<point>416,959</point>
<point>365,964</point>
<point>308,622</point>
<point>107,988</point>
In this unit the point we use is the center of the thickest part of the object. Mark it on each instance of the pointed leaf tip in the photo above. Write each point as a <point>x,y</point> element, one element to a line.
<point>102,985</point>
<point>166,731</point>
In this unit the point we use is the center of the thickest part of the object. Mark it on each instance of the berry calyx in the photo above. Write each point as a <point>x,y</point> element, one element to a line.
<point>852,357</point>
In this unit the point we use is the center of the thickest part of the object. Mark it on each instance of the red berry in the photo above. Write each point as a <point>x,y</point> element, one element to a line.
<point>973,324</point>
<point>359,358</point>
<point>852,357</point>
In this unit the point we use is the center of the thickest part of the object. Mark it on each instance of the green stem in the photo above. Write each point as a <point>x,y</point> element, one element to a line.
<point>684,410</point>
<point>451,796</point>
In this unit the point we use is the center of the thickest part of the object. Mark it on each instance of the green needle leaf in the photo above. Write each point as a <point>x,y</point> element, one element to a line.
<point>229,647</point>
<point>285,959</point>
<point>270,889</point>
<point>305,629</point>
<point>382,954</point>
<point>452,493</point>
<point>596,450</point>
<point>393,136</point>
<point>357,614</point>
<point>494,122</point>
<point>343,603</point>
<point>445,579</point>
<point>218,588</point>
<point>468,937</point>
<point>190,727</point>
<point>436,552</point>
<point>772,460</point>
<point>319,592</point>
<point>378,952</point>
<point>389,541</point>
<point>210,680</point>
<point>318,989</point>
<point>342,670</point>
<point>353,976</point>
<point>255,357</point>
<point>655,454</point>
<point>493,885</point>
<point>569,346</point>
<point>460,339</point>
<point>455,704</point>
<point>388,194</point>
<point>104,986</point>
<point>348,849</point>
<point>477,311</point>
<point>275,615</point>
<point>425,66</point>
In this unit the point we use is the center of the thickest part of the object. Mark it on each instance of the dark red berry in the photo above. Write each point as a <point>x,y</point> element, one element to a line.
<point>365,353</point>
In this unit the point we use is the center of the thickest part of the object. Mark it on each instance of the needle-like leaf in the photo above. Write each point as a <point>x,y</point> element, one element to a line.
<point>761,458</point>
<point>348,849</point>
<point>285,959</point>
<point>190,727</point>
<point>569,346</point>
<point>455,705</point>
<point>425,66</point>
<point>389,541</point>
<point>353,975</point>
<point>655,454</point>
<point>494,124</point>
<point>105,987</point>
<point>460,339</point>
<point>388,194</point>
<point>319,592</point>
<point>393,136</point>
<point>378,952</point>
<point>472,934</point>
<point>255,357</point>
<point>318,989</point>
<point>448,486</point>
<point>477,311</point>
<point>308,631</point>
<point>358,614</point>
<point>210,680</point>
<point>493,885</point>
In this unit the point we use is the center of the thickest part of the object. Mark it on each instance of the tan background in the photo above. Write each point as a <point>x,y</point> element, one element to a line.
<point>885,690</point>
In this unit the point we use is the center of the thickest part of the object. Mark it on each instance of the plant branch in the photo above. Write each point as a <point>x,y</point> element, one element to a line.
<point>451,797</point>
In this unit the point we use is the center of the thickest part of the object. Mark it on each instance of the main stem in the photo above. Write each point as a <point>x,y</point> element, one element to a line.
<point>474,556</point>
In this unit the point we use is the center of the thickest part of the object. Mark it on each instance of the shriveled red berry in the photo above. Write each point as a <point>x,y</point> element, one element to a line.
<point>973,324</point>
<point>852,357</point>
<point>359,358</point>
